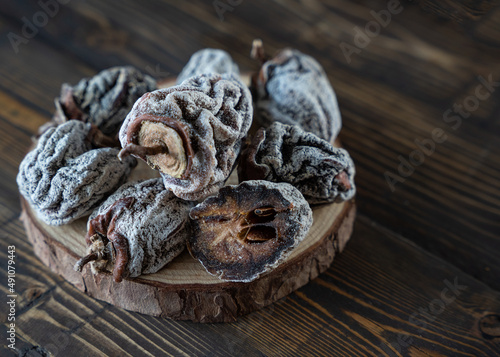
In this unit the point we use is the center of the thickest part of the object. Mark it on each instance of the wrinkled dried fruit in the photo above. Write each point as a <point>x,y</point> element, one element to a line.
<point>285,153</point>
<point>208,61</point>
<point>137,230</point>
<point>65,176</point>
<point>248,229</point>
<point>103,100</point>
<point>292,88</point>
<point>192,133</point>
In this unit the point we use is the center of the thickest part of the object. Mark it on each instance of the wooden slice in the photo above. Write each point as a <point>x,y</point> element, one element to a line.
<point>183,290</point>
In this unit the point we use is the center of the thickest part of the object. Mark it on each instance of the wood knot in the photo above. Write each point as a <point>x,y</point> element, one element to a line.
<point>33,293</point>
<point>489,326</point>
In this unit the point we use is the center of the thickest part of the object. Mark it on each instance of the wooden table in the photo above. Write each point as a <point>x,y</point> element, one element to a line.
<point>421,274</point>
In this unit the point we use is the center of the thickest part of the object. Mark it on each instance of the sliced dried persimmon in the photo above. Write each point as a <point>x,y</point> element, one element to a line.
<point>263,222</point>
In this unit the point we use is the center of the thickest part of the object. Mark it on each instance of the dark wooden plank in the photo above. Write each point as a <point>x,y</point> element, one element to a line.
<point>375,86</point>
<point>18,123</point>
<point>459,10</point>
<point>36,83</point>
<point>148,40</point>
<point>487,31</point>
<point>365,300</point>
<point>394,91</point>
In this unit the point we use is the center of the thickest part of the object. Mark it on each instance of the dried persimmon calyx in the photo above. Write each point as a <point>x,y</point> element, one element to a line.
<point>162,142</point>
<point>103,100</point>
<point>249,229</point>
<point>137,230</point>
<point>65,176</point>
<point>208,61</point>
<point>292,88</point>
<point>286,153</point>
<point>191,133</point>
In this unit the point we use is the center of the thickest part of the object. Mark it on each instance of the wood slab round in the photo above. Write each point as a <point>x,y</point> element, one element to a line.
<point>183,290</point>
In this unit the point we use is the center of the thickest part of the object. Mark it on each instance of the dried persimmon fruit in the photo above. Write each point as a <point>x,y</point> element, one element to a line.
<point>71,171</point>
<point>292,88</point>
<point>249,229</point>
<point>191,133</point>
<point>286,153</point>
<point>208,61</point>
<point>103,100</point>
<point>137,230</point>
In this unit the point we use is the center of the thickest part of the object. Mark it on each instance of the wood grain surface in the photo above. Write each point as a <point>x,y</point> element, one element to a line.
<point>421,275</point>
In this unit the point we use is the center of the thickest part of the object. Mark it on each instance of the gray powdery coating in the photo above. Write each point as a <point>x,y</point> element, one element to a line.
<point>217,110</point>
<point>284,153</point>
<point>156,226</point>
<point>104,99</point>
<point>63,178</point>
<point>296,91</point>
<point>208,61</point>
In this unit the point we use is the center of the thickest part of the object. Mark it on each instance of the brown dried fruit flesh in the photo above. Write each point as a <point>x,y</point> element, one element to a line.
<point>192,133</point>
<point>249,229</point>
<point>292,88</point>
<point>208,61</point>
<point>103,100</point>
<point>162,142</point>
<point>285,153</point>
<point>137,230</point>
<point>65,176</point>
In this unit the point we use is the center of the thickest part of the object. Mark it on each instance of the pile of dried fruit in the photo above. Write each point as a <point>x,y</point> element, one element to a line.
<point>194,133</point>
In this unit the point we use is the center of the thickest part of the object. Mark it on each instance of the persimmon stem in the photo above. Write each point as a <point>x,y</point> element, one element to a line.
<point>141,151</point>
<point>258,52</point>
<point>85,260</point>
<point>100,140</point>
